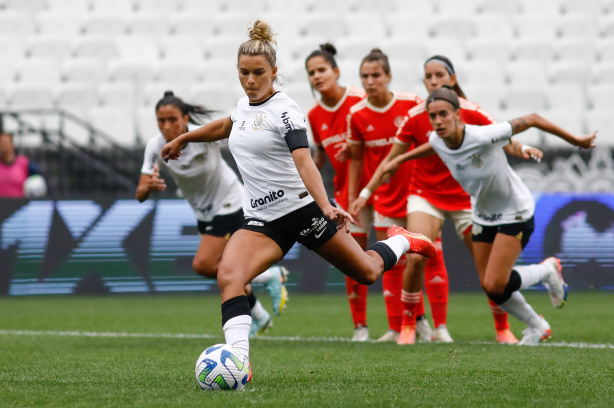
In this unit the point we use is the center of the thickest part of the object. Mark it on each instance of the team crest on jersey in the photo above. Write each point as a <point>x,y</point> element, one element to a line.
<point>476,161</point>
<point>398,121</point>
<point>258,122</point>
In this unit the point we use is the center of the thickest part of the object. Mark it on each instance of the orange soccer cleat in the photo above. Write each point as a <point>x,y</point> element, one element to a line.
<point>407,335</point>
<point>418,243</point>
<point>505,336</point>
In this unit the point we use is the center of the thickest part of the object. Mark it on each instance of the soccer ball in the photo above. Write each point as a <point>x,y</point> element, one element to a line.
<point>34,186</point>
<point>222,367</point>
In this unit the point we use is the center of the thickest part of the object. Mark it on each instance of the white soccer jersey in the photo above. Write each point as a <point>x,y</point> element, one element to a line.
<point>273,186</point>
<point>498,195</point>
<point>205,179</point>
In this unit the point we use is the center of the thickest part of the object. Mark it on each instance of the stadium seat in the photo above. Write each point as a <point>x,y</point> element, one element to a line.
<point>606,26</point>
<point>16,23</point>
<point>107,24</point>
<point>324,24</point>
<point>535,9</point>
<point>605,49</point>
<point>230,24</point>
<point>453,27</point>
<point>566,96</point>
<point>115,123</point>
<point>575,50</point>
<point>413,51</point>
<point>181,46</point>
<point>71,6</point>
<point>356,48</point>
<point>527,99</point>
<point>603,74</point>
<point>542,26</point>
<point>301,47</point>
<point>491,26</point>
<point>460,9</point>
<point>363,25</point>
<point>76,95</point>
<point>56,48</point>
<point>570,73</point>
<point>150,24</point>
<point>399,29</point>
<point>488,50</point>
<point>221,97</point>
<point>146,123</point>
<point>12,47</point>
<point>122,7</point>
<point>581,7</point>
<point>481,74</point>
<point>42,70</point>
<point>190,24</point>
<point>221,70</point>
<point>600,98</point>
<point>139,47</point>
<point>600,120</point>
<point>31,6</point>
<point>158,6</point>
<point>350,72</point>
<point>129,70</point>
<point>30,95</point>
<point>102,48</point>
<point>533,50</point>
<point>184,70</point>
<point>487,96</point>
<point>223,47</point>
<point>154,91</point>
<point>526,73</point>
<point>83,70</point>
<point>117,94</point>
<point>577,27</point>
<point>501,9</point>
<point>209,8</point>
<point>451,48</point>
<point>66,23</point>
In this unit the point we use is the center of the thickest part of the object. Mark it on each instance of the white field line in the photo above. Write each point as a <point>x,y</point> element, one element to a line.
<point>293,338</point>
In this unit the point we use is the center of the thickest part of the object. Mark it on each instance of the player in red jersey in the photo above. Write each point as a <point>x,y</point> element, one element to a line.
<point>372,125</point>
<point>433,196</point>
<point>328,121</point>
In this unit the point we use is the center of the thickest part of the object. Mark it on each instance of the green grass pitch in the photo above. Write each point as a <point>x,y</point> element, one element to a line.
<point>68,352</point>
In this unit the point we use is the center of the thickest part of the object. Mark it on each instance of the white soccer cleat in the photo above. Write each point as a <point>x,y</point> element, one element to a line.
<point>533,336</point>
<point>423,330</point>
<point>390,335</point>
<point>554,283</point>
<point>261,325</point>
<point>361,333</point>
<point>441,335</point>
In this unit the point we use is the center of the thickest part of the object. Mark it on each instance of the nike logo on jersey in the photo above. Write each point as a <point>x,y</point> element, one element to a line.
<point>318,225</point>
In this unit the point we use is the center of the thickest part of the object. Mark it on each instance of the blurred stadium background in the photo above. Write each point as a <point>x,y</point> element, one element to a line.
<point>80,79</point>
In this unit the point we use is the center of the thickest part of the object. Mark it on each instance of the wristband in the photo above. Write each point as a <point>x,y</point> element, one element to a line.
<point>365,193</point>
<point>524,148</point>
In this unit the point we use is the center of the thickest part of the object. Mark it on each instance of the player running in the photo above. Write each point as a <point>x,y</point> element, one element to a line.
<point>328,122</point>
<point>285,200</point>
<point>433,196</point>
<point>503,207</point>
<point>215,194</point>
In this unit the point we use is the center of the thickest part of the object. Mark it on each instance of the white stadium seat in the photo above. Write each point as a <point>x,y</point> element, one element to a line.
<point>55,48</point>
<point>30,95</point>
<point>31,6</point>
<point>146,124</point>
<point>488,50</point>
<point>400,29</point>
<point>71,6</point>
<point>533,50</point>
<point>490,26</point>
<point>481,73</point>
<point>42,70</point>
<point>137,47</point>
<point>16,23</point>
<point>84,70</point>
<point>453,27</point>
<point>528,99</point>
<point>151,24</point>
<point>223,47</point>
<point>181,46</point>
<point>107,24</point>
<point>582,7</point>
<point>76,95</point>
<point>164,6</point>
<point>324,24</point>
<point>54,22</point>
<point>461,9</point>
<point>526,73</point>
<point>538,26</point>
<point>571,120</point>
<point>185,70</point>
<point>117,94</point>
<point>129,70</point>
<point>217,96</point>
<point>605,48</point>
<point>603,74</point>
<point>575,50</point>
<point>501,9</point>
<point>363,25</point>
<point>570,73</point>
<point>600,120</point>
<point>600,97</point>
<point>102,48</point>
<point>12,47</point>
<point>113,6</point>
<point>115,123</point>
<point>577,27</point>
<point>566,96</point>
<point>154,91</point>
<point>194,24</point>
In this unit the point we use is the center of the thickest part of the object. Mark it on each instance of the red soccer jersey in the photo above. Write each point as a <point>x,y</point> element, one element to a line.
<point>430,178</point>
<point>375,128</point>
<point>329,129</point>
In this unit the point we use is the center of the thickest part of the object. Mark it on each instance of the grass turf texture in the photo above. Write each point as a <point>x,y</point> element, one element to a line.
<point>78,371</point>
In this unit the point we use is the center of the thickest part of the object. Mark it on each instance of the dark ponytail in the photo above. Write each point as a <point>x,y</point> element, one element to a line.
<point>328,51</point>
<point>194,112</point>
<point>450,68</point>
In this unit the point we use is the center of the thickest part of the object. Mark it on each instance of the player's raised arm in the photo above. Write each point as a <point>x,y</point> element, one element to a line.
<point>534,120</point>
<point>216,130</point>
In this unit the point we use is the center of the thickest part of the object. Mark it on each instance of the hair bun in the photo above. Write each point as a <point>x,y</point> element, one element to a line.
<point>261,30</point>
<point>168,93</point>
<point>376,50</point>
<point>328,47</point>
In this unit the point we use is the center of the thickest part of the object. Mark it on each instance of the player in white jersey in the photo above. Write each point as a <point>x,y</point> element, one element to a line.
<point>285,200</point>
<point>502,205</point>
<point>214,192</point>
